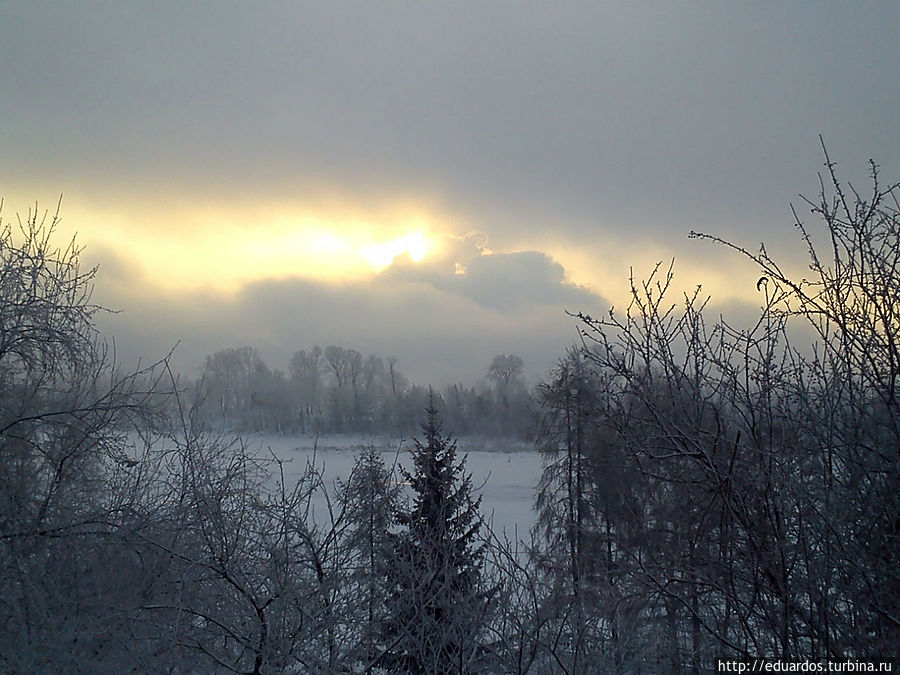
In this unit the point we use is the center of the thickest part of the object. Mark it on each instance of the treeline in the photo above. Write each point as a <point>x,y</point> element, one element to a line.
<point>339,390</point>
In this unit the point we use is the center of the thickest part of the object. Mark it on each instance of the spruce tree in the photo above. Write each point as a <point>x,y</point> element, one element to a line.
<point>437,603</point>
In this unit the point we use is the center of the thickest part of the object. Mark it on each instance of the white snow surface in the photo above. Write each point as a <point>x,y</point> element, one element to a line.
<point>504,472</point>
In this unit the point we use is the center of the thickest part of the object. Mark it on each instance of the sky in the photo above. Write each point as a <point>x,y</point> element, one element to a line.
<point>439,182</point>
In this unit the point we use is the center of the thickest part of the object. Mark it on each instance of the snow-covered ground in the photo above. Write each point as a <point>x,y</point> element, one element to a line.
<point>505,473</point>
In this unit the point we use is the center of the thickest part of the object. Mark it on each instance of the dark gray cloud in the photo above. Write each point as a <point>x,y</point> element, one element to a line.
<point>506,282</point>
<point>650,116</point>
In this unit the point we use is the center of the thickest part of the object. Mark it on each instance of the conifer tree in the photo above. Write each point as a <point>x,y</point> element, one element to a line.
<point>437,604</point>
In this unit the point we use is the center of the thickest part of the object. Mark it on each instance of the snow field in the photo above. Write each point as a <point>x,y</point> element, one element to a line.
<point>505,474</point>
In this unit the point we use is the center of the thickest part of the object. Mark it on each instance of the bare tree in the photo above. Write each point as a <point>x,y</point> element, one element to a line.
<point>851,420</point>
<point>72,468</point>
<point>306,375</point>
<point>762,474</point>
<point>505,369</point>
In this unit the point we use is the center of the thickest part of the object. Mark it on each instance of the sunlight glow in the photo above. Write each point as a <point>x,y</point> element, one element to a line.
<point>382,255</point>
<point>222,248</point>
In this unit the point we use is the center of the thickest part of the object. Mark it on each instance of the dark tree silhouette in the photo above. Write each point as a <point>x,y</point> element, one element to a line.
<point>437,605</point>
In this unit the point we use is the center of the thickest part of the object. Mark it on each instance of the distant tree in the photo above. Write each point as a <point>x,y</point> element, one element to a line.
<point>230,378</point>
<point>398,382</point>
<point>514,404</point>
<point>344,365</point>
<point>390,403</point>
<point>345,368</point>
<point>306,371</point>
<point>409,414</point>
<point>459,413</point>
<point>505,369</point>
<point>438,603</point>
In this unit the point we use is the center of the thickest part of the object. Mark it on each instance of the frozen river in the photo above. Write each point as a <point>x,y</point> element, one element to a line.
<point>505,473</point>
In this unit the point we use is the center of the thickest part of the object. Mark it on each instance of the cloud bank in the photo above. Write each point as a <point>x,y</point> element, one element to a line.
<point>443,324</point>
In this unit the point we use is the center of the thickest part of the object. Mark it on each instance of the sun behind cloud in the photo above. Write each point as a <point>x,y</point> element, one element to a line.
<point>222,249</point>
<point>382,255</point>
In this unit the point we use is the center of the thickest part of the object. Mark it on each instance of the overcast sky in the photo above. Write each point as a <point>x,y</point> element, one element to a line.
<point>434,181</point>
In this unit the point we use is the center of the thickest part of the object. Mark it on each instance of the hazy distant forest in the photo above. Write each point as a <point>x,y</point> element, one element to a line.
<point>337,390</point>
<point>709,490</point>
